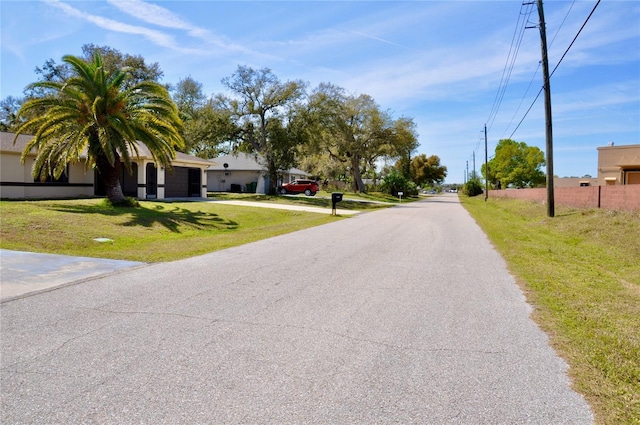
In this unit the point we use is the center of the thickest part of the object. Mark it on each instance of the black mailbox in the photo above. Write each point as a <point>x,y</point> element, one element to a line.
<point>335,198</point>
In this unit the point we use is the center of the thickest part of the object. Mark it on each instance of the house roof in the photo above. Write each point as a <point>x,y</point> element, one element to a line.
<point>241,161</point>
<point>237,162</point>
<point>7,145</point>
<point>298,171</point>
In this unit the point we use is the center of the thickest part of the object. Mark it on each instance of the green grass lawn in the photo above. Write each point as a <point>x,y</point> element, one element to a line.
<point>157,231</point>
<point>581,272</point>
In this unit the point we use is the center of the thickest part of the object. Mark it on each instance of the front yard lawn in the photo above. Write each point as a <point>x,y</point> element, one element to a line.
<point>156,231</point>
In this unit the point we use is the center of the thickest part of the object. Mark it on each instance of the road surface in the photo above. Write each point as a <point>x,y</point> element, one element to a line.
<point>405,315</point>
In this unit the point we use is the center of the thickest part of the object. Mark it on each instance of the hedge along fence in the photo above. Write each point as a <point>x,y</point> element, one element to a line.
<point>625,197</point>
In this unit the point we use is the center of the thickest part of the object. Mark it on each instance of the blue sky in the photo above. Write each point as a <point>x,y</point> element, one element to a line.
<point>443,63</point>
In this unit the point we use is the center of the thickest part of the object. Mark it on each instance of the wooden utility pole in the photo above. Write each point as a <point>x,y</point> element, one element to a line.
<point>486,166</point>
<point>475,176</point>
<point>547,112</point>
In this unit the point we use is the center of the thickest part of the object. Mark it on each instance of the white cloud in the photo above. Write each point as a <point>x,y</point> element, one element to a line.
<point>597,98</point>
<point>160,16</point>
<point>154,14</point>
<point>596,44</point>
<point>156,37</point>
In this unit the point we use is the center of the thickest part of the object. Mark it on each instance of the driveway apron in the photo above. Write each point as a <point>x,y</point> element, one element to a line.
<point>23,273</point>
<point>405,315</point>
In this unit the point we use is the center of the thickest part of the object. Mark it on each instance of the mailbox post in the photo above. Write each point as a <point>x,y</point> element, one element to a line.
<point>335,198</point>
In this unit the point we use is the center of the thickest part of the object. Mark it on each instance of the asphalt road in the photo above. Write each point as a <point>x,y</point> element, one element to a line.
<point>405,315</point>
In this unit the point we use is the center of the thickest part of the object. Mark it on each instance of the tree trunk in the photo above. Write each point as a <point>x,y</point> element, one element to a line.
<point>111,177</point>
<point>358,184</point>
<point>273,175</point>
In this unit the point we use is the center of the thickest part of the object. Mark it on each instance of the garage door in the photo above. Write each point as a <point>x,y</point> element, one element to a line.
<point>182,182</point>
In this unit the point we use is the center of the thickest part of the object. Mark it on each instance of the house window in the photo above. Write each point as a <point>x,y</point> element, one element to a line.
<point>64,178</point>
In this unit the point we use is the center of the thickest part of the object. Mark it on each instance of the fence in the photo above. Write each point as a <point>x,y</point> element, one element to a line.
<point>619,197</point>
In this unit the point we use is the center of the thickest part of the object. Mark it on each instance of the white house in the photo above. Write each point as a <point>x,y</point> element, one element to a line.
<point>241,172</point>
<point>187,177</point>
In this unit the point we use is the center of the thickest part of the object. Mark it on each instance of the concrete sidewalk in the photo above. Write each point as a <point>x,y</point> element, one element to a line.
<point>319,210</point>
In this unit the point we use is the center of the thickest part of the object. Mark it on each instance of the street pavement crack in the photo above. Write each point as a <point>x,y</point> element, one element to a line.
<point>153,313</point>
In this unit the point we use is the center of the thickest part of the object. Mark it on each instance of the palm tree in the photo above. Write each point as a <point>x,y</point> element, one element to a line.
<point>93,114</point>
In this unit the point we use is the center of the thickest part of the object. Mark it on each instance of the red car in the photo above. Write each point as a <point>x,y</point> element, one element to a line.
<point>308,187</point>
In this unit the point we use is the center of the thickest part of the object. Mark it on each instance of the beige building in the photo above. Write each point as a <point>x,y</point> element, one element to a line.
<point>574,181</point>
<point>187,178</point>
<point>619,165</point>
<point>241,172</point>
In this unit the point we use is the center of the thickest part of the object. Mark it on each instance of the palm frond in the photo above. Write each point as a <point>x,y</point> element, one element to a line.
<point>93,112</point>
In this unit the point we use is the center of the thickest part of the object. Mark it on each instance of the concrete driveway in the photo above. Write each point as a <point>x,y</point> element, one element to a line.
<point>23,273</point>
<point>405,315</point>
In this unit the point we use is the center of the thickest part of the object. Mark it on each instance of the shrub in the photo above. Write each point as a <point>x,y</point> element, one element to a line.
<point>395,182</point>
<point>127,203</point>
<point>473,188</point>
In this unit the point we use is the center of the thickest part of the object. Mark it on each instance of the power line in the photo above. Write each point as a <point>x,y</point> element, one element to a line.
<point>558,64</point>
<point>576,37</point>
<point>526,113</point>
<point>502,89</point>
<point>523,97</point>
<point>538,68</point>
<point>478,142</point>
<point>516,42</point>
<point>562,23</point>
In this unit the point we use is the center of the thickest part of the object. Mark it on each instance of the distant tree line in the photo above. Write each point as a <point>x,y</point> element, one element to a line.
<point>327,131</point>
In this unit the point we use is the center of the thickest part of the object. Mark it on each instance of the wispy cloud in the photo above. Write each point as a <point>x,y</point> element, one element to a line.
<point>438,74</point>
<point>595,98</point>
<point>154,36</point>
<point>156,15</point>
<point>596,43</point>
<point>160,16</point>
<point>380,39</point>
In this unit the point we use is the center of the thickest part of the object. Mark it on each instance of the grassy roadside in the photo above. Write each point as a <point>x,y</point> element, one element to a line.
<point>581,272</point>
<point>157,231</point>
